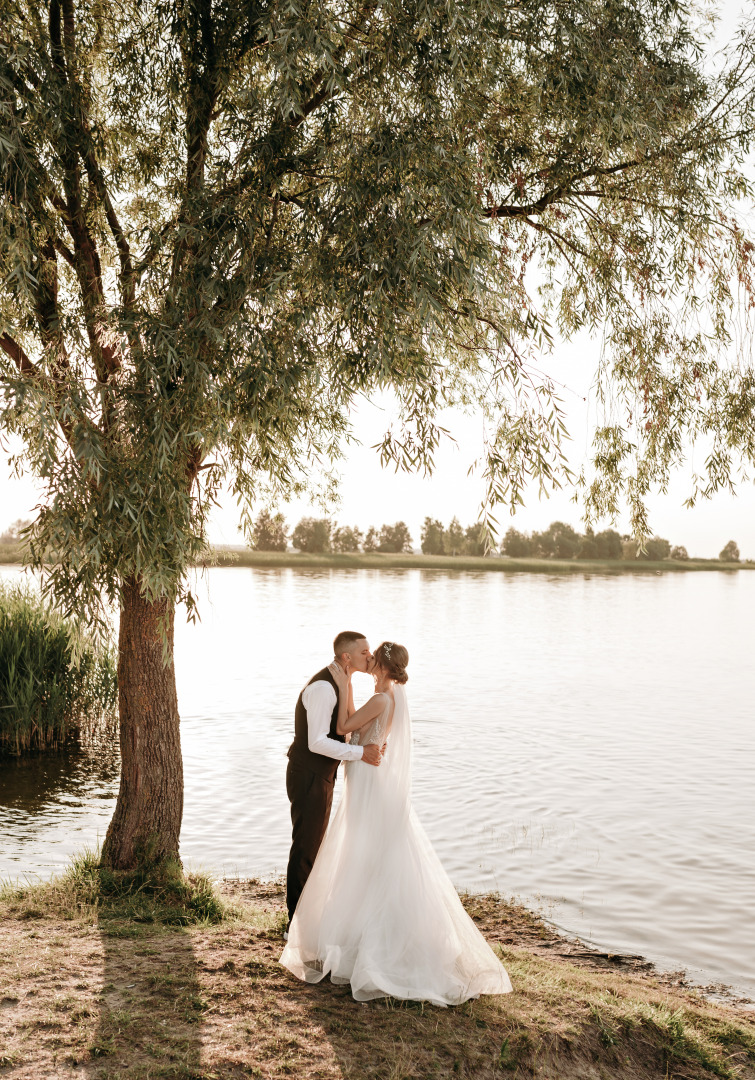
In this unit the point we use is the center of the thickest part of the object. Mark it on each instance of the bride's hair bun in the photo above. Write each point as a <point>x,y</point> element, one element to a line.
<point>393,658</point>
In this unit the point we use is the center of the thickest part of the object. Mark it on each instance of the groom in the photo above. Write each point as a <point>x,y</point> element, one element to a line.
<point>313,759</point>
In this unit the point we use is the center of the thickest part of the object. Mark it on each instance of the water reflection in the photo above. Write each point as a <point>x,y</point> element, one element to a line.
<point>49,803</point>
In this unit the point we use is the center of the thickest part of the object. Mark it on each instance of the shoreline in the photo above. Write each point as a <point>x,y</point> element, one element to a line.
<point>542,933</point>
<point>535,931</point>
<point>116,992</point>
<point>224,556</point>
<point>488,564</point>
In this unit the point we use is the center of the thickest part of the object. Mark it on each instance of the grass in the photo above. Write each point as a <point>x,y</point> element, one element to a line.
<point>55,683</point>
<point>85,982</point>
<point>381,561</point>
<point>127,899</point>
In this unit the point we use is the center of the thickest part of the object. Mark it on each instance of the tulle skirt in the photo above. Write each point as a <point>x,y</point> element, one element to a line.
<point>379,911</point>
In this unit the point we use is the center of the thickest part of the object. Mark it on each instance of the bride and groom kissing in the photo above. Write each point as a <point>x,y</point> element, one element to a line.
<point>369,902</point>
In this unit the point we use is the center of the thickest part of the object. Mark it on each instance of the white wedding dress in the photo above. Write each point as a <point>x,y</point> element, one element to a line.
<point>378,909</point>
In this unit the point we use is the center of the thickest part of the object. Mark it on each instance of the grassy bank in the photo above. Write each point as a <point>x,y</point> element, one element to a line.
<point>379,561</point>
<point>100,984</point>
<point>232,556</point>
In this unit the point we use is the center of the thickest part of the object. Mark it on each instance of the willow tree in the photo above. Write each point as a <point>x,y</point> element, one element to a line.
<point>223,219</point>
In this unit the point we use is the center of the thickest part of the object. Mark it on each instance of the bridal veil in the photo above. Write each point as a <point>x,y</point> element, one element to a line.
<point>378,910</point>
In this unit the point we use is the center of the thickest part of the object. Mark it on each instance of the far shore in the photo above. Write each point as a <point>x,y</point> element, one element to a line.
<point>12,555</point>
<point>238,556</point>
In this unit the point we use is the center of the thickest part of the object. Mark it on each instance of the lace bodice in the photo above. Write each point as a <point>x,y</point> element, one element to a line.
<point>377,730</point>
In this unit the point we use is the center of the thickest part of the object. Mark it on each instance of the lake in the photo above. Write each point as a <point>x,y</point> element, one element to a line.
<point>583,742</point>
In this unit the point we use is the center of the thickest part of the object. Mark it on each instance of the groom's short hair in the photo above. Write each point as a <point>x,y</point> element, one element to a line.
<point>343,641</point>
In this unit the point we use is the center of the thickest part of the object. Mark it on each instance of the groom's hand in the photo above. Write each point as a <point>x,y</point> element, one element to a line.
<point>371,754</point>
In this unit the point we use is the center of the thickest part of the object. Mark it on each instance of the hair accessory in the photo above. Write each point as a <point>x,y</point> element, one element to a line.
<point>387,646</point>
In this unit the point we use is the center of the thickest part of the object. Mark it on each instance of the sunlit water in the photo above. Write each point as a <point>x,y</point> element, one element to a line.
<point>583,742</point>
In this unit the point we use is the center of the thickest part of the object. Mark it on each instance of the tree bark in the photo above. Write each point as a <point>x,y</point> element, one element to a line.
<point>147,820</point>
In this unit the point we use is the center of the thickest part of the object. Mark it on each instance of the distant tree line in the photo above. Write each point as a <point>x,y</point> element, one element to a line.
<point>317,536</point>
<point>559,541</point>
<point>453,540</point>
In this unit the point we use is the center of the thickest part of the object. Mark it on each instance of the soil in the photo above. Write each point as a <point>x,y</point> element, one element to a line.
<point>109,998</point>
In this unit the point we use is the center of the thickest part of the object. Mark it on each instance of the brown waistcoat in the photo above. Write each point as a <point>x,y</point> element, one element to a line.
<point>299,752</point>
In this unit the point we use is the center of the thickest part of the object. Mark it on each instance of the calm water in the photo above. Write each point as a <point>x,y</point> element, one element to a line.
<point>585,743</point>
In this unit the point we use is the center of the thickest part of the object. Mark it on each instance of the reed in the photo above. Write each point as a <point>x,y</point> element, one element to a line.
<point>56,683</point>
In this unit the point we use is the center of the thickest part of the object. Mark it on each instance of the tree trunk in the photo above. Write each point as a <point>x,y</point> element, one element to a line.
<point>147,819</point>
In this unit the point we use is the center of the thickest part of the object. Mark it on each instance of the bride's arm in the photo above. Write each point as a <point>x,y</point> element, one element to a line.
<point>348,719</point>
<point>362,716</point>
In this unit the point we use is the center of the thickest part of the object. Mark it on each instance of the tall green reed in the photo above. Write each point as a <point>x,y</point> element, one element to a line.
<point>56,683</point>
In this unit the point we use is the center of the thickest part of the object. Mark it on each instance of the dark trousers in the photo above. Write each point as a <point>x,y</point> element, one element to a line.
<point>311,797</point>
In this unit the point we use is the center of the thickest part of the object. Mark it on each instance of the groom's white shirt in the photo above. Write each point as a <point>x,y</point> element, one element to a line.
<point>319,699</point>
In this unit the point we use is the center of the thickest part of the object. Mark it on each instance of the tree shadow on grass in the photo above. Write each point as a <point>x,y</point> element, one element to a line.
<point>150,1006</point>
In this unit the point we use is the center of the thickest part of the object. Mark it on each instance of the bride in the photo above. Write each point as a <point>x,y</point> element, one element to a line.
<point>378,909</point>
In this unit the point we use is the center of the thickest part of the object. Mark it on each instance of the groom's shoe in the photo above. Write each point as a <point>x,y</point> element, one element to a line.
<point>285,932</point>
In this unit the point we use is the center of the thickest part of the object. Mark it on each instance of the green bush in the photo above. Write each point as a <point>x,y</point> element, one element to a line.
<point>656,549</point>
<point>55,682</point>
<point>588,548</point>
<point>730,553</point>
<point>517,545</point>
<point>346,539</point>
<point>312,535</point>
<point>269,532</point>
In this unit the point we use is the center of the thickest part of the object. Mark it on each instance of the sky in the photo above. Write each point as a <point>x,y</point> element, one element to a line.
<point>370,495</point>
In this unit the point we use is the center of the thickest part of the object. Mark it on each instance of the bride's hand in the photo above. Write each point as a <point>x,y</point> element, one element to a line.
<point>340,677</point>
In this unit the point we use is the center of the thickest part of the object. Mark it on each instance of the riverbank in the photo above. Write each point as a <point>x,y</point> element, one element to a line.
<point>112,993</point>
<point>494,563</point>
<point>11,554</point>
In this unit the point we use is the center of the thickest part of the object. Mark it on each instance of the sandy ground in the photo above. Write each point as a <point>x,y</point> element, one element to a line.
<point>108,999</point>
